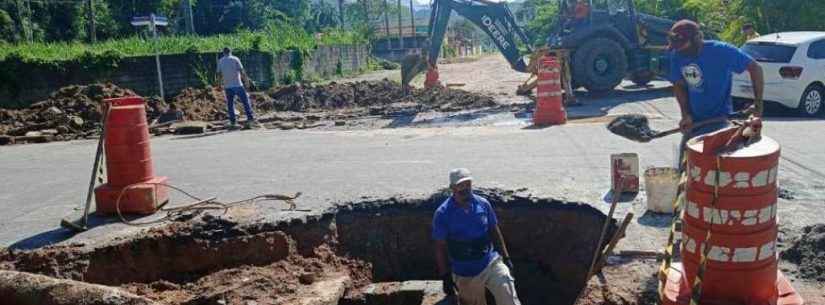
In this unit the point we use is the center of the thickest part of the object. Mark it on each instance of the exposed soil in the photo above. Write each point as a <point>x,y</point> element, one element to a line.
<point>71,112</point>
<point>74,112</point>
<point>808,252</point>
<point>212,260</point>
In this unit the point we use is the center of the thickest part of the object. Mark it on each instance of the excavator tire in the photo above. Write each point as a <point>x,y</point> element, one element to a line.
<point>599,65</point>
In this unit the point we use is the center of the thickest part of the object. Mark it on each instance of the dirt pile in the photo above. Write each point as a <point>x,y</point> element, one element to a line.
<point>381,97</point>
<point>209,104</point>
<point>808,251</point>
<point>68,113</point>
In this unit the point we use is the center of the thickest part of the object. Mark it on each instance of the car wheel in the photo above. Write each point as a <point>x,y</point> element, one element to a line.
<point>812,101</point>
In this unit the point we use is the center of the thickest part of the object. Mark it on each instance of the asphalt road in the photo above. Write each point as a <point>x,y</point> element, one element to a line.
<point>45,182</point>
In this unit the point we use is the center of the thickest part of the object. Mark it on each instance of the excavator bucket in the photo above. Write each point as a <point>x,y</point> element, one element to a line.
<point>411,66</point>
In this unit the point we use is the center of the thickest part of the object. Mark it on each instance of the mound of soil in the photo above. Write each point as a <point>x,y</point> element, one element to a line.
<point>808,251</point>
<point>376,95</point>
<point>71,110</point>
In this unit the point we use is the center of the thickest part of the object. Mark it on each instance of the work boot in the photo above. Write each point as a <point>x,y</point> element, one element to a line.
<point>251,124</point>
<point>233,126</point>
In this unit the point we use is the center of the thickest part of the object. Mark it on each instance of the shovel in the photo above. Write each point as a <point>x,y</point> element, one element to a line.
<point>635,127</point>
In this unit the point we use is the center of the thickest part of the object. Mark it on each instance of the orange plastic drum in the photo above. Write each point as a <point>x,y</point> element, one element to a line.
<point>129,161</point>
<point>550,102</point>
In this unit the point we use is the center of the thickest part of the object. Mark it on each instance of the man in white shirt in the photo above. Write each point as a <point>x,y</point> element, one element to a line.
<point>232,71</point>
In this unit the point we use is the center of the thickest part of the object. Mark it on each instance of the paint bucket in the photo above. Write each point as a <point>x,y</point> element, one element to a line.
<point>624,168</point>
<point>661,184</point>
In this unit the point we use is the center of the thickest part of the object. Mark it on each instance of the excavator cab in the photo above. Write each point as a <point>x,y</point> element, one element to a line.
<point>608,40</point>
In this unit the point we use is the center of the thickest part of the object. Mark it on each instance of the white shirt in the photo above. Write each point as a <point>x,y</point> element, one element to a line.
<point>230,68</point>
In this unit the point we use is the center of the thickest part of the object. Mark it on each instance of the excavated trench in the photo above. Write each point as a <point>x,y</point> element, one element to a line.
<point>322,259</point>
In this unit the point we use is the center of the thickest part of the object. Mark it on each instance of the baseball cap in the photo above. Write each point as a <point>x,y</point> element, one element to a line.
<point>681,33</point>
<point>459,175</point>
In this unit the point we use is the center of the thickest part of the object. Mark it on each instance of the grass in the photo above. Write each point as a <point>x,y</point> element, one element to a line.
<point>272,40</point>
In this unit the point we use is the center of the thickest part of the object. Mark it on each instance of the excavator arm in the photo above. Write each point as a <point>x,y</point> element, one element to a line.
<point>493,18</point>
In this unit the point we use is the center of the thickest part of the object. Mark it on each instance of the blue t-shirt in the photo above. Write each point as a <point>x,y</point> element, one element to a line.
<point>708,77</point>
<point>452,222</point>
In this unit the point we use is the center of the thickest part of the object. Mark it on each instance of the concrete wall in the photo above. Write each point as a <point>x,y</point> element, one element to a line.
<point>391,48</point>
<point>182,70</point>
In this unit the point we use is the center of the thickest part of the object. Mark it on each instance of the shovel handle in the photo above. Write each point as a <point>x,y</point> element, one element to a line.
<point>700,124</point>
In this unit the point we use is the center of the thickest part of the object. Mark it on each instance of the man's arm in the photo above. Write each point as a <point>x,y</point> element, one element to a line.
<point>758,83</point>
<point>680,91</point>
<point>441,257</point>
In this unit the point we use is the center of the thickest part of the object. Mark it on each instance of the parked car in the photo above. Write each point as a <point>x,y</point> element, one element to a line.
<point>794,68</point>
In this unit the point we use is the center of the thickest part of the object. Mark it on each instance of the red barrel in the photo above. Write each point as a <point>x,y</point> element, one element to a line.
<point>550,101</point>
<point>132,186</point>
<point>741,265</point>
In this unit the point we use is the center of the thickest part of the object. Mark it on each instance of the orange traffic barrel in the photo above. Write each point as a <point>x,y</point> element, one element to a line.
<point>732,195</point>
<point>549,96</point>
<point>744,172</point>
<point>131,185</point>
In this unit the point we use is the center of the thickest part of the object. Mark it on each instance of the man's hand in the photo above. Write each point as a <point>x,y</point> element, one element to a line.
<point>509,263</point>
<point>755,109</point>
<point>686,124</point>
<point>448,286</point>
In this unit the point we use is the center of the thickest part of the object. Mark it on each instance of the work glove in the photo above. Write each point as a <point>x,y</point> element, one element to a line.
<point>252,86</point>
<point>448,286</point>
<point>509,263</point>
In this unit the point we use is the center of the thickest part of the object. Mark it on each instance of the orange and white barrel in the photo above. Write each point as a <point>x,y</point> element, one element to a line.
<point>549,95</point>
<point>734,196</point>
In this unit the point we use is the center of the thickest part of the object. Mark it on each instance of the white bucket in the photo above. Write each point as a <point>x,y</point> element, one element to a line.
<point>661,184</point>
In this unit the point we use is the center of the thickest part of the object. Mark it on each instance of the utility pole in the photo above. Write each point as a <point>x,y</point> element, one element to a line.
<point>187,16</point>
<point>386,19</point>
<point>25,20</point>
<point>341,13</point>
<point>366,4</point>
<point>91,15</point>
<point>400,27</point>
<point>412,23</point>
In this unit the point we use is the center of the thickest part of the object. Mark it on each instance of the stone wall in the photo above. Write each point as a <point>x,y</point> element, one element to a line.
<point>188,70</point>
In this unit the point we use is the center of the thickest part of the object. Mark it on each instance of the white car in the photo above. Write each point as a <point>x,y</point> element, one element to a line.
<point>794,68</point>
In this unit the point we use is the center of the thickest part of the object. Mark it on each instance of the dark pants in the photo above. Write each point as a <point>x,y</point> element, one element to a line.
<point>695,133</point>
<point>230,103</point>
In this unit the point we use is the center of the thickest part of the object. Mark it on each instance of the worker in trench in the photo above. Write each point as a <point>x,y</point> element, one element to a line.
<point>464,227</point>
<point>702,72</point>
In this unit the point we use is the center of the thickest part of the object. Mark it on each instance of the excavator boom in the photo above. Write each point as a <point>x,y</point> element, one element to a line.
<point>494,18</point>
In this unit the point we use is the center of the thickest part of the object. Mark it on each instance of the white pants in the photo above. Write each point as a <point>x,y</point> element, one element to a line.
<point>496,277</point>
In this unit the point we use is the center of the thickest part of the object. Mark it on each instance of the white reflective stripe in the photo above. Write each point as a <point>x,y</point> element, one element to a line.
<point>693,209</point>
<point>741,180</point>
<point>549,82</point>
<point>741,255</point>
<point>733,255</point>
<point>766,214</point>
<point>690,245</point>
<point>719,254</point>
<point>750,217</point>
<point>767,250</point>
<point>732,217</point>
<point>772,174</point>
<point>549,94</point>
<point>761,179</point>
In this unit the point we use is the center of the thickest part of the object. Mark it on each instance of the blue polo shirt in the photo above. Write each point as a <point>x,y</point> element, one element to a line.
<point>708,78</point>
<point>450,221</point>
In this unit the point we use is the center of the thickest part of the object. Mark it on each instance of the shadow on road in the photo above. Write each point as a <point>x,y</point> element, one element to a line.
<point>59,234</point>
<point>656,220</point>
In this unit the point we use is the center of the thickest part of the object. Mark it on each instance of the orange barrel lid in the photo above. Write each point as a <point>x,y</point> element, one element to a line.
<point>746,171</point>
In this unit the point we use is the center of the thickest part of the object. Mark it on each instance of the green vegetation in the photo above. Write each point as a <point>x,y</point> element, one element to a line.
<point>724,17</point>
<point>278,39</point>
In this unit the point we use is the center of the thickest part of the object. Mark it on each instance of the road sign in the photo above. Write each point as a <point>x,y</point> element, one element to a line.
<point>147,20</point>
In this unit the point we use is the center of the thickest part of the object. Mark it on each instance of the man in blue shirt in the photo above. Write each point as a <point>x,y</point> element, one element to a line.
<point>701,72</point>
<point>463,229</point>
